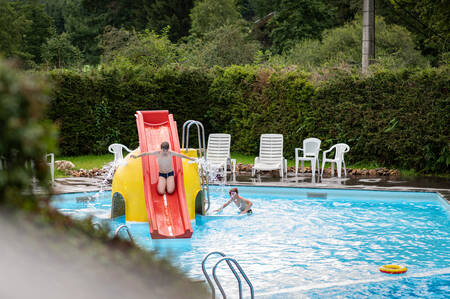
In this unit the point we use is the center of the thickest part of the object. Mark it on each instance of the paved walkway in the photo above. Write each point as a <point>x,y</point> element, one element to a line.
<point>419,184</point>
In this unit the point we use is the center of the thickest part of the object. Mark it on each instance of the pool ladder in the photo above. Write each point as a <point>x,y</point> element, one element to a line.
<point>201,154</point>
<point>116,233</point>
<point>229,261</point>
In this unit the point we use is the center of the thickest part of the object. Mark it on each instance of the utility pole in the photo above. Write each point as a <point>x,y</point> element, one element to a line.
<point>368,40</point>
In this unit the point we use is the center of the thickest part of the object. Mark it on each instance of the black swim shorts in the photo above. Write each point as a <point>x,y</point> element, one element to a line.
<point>166,175</point>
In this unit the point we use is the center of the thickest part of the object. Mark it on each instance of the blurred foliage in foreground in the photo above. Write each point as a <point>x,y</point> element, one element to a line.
<point>25,137</point>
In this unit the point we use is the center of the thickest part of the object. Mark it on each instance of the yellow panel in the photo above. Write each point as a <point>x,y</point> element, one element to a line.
<point>191,181</point>
<point>129,182</point>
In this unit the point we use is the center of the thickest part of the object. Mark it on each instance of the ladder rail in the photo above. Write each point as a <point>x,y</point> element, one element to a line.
<point>202,153</point>
<point>123,226</point>
<point>236,275</point>
<point>205,273</point>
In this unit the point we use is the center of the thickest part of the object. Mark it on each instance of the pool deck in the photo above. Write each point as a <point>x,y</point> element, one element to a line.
<point>385,183</point>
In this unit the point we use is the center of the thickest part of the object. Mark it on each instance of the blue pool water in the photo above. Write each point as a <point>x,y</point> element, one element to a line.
<point>311,243</point>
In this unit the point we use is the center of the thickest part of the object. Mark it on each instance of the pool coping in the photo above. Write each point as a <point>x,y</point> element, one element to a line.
<point>95,184</point>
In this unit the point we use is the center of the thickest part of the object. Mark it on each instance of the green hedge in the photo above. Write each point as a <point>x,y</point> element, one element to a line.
<point>97,109</point>
<point>397,119</point>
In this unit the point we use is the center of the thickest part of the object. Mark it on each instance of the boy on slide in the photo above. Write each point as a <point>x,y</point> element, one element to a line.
<point>166,179</point>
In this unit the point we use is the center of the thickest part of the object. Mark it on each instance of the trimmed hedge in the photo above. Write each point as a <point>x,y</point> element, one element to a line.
<point>97,109</point>
<point>397,119</point>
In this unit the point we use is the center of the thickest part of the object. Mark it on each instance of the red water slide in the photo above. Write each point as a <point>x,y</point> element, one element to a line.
<point>168,215</point>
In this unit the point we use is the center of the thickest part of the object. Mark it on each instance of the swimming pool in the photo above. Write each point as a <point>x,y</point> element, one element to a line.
<point>311,242</point>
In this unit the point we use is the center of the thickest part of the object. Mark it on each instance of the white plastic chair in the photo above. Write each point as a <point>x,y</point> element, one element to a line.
<point>117,149</point>
<point>218,152</point>
<point>51,164</point>
<point>341,149</point>
<point>270,154</point>
<point>311,148</point>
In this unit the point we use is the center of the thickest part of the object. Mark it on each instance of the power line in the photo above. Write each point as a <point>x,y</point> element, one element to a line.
<point>420,22</point>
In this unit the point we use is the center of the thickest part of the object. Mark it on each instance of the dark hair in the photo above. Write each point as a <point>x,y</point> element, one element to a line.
<point>233,190</point>
<point>165,145</point>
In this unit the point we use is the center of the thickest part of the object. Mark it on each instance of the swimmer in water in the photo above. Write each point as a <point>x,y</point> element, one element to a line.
<point>243,204</point>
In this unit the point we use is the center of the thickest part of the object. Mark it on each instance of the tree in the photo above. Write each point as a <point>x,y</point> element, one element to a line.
<point>41,28</point>
<point>83,26</point>
<point>59,52</point>
<point>170,13</point>
<point>429,20</point>
<point>394,48</point>
<point>12,30</point>
<point>146,48</point>
<point>225,46</point>
<point>300,19</point>
<point>209,15</point>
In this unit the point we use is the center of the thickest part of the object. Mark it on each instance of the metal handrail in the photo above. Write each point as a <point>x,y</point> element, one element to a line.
<point>202,152</point>
<point>252,295</point>
<point>116,233</point>
<point>211,285</point>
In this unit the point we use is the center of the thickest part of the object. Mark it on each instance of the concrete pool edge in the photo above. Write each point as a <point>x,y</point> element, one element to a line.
<point>80,185</point>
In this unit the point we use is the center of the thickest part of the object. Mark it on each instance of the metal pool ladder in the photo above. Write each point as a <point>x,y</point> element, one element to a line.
<point>201,154</point>
<point>229,261</point>
<point>116,233</point>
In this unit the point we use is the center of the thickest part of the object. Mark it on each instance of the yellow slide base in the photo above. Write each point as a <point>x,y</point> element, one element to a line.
<point>191,181</point>
<point>129,182</point>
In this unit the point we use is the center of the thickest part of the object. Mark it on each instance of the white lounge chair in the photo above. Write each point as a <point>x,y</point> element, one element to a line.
<point>341,149</point>
<point>311,148</point>
<point>270,154</point>
<point>218,152</point>
<point>117,150</point>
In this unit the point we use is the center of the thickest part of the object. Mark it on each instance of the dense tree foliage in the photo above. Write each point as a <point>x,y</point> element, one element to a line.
<point>429,21</point>
<point>209,15</point>
<point>12,29</point>
<point>225,46</point>
<point>125,48</point>
<point>59,52</point>
<point>342,46</point>
<point>41,28</point>
<point>278,26</point>
<point>300,19</point>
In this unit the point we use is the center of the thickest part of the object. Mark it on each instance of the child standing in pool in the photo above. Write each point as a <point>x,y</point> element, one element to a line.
<point>243,204</point>
<point>166,179</point>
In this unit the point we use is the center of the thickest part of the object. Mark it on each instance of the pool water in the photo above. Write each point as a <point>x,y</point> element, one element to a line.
<point>309,242</point>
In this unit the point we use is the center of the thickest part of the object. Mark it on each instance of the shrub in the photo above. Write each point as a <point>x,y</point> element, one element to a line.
<point>122,47</point>
<point>224,46</point>
<point>96,109</point>
<point>393,118</point>
<point>209,15</point>
<point>24,136</point>
<point>394,48</point>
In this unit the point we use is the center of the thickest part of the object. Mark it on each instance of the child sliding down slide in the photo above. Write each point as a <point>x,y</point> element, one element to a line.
<point>166,175</point>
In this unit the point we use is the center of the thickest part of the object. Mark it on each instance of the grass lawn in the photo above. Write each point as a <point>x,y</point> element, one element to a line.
<point>85,162</point>
<point>97,161</point>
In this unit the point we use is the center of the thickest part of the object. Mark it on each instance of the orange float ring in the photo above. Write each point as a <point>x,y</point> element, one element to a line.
<point>393,269</point>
